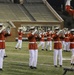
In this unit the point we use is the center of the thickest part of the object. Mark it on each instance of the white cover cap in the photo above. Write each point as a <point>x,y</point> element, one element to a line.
<point>32,28</point>
<point>1,24</point>
<point>72,30</point>
<point>56,28</point>
<point>48,28</point>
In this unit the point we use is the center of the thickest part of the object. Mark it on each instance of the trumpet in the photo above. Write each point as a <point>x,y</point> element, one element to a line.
<point>8,29</point>
<point>23,28</point>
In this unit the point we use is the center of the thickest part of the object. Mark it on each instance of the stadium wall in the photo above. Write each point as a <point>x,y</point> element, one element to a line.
<point>14,32</point>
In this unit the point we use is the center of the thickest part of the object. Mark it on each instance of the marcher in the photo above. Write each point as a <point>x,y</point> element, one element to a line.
<point>20,35</point>
<point>33,49</point>
<point>72,42</point>
<point>67,41</point>
<point>49,39</point>
<point>68,8</point>
<point>42,40</point>
<point>3,34</point>
<point>57,46</point>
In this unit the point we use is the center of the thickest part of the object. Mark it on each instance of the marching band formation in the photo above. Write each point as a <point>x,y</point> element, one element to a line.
<point>63,40</point>
<point>58,40</point>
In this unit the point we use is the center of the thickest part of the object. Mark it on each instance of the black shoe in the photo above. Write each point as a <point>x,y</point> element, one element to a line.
<point>42,49</point>
<point>19,48</point>
<point>15,48</point>
<point>72,64</point>
<point>46,49</point>
<point>1,69</point>
<point>55,65</point>
<point>35,67</point>
<point>60,65</point>
<point>66,51</point>
<point>31,67</point>
<point>5,56</point>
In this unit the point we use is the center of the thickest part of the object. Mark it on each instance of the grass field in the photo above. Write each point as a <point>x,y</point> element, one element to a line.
<point>17,62</point>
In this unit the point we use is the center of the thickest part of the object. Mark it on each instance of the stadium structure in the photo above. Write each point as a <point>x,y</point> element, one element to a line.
<point>28,13</point>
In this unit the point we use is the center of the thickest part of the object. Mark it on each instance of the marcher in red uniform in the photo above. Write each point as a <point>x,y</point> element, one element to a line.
<point>72,41</point>
<point>33,49</point>
<point>3,34</point>
<point>67,41</point>
<point>68,8</point>
<point>57,46</point>
<point>49,39</point>
<point>20,35</point>
<point>42,40</point>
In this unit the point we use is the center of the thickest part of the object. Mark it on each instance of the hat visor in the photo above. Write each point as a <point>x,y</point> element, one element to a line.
<point>0,25</point>
<point>32,28</point>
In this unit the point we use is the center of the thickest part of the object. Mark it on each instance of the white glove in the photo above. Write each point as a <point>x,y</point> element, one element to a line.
<point>24,28</point>
<point>8,31</point>
<point>59,32</point>
<point>40,35</point>
<point>34,31</point>
<point>2,29</point>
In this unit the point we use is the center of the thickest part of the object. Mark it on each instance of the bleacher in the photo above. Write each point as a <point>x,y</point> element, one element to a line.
<point>39,11</point>
<point>5,1</point>
<point>33,10</point>
<point>12,12</point>
<point>34,1</point>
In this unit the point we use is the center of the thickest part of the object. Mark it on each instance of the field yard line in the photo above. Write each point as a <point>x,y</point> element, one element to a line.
<point>35,72</point>
<point>47,65</point>
<point>66,58</point>
<point>27,54</point>
<point>22,62</point>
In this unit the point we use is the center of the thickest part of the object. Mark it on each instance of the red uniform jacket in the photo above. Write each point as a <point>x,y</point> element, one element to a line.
<point>67,37</point>
<point>3,35</point>
<point>42,37</point>
<point>57,41</point>
<point>32,41</point>
<point>69,10</point>
<point>71,41</point>
<point>48,34</point>
<point>20,35</point>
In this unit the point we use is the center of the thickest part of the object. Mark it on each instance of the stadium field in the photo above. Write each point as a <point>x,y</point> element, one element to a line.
<point>17,62</point>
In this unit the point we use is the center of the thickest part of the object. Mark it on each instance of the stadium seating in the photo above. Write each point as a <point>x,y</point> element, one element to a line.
<point>34,0</point>
<point>40,12</point>
<point>5,1</point>
<point>12,12</point>
<point>32,10</point>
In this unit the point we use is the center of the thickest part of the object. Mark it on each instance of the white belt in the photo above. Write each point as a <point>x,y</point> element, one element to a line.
<point>32,42</point>
<point>42,38</point>
<point>48,37</point>
<point>2,40</point>
<point>72,42</point>
<point>57,41</point>
<point>66,37</point>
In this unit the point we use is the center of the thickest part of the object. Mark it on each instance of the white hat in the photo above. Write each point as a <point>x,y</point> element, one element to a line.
<point>32,28</point>
<point>20,28</point>
<point>1,24</point>
<point>56,28</point>
<point>72,30</point>
<point>48,28</point>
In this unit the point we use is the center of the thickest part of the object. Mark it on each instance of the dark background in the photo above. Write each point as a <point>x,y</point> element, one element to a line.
<point>59,4</point>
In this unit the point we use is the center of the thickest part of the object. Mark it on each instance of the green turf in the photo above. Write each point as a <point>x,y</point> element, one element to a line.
<point>17,62</point>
